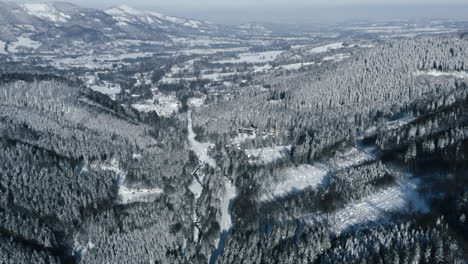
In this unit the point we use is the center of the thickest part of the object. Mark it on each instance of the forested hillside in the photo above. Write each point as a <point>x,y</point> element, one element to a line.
<point>359,160</point>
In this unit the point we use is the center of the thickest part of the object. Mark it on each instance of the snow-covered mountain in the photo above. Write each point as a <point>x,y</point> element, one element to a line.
<point>127,16</point>
<point>55,26</point>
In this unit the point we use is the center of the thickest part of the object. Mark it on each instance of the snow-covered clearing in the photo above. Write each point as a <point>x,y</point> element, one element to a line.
<point>129,195</point>
<point>325,48</point>
<point>267,155</point>
<point>263,68</point>
<point>258,57</point>
<point>209,51</point>
<point>297,179</point>
<point>314,175</point>
<point>296,66</point>
<point>201,149</point>
<point>337,57</point>
<point>436,73</point>
<point>23,42</point>
<point>196,101</point>
<point>398,198</point>
<point>218,76</point>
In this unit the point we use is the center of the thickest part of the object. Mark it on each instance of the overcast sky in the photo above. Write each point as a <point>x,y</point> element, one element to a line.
<point>294,11</point>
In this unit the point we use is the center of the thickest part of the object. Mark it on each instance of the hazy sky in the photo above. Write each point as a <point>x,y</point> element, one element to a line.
<point>293,11</point>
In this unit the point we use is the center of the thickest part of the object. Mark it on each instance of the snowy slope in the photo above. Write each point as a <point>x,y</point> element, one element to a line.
<point>314,175</point>
<point>126,16</point>
<point>435,73</point>
<point>402,197</point>
<point>46,11</point>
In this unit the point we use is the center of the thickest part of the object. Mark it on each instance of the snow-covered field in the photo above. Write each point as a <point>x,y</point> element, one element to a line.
<point>297,179</point>
<point>23,42</point>
<point>267,155</point>
<point>400,198</point>
<point>435,73</point>
<point>325,48</point>
<point>257,57</point>
<point>296,66</point>
<point>314,175</point>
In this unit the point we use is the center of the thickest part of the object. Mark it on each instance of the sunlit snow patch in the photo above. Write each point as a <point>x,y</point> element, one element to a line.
<point>45,11</point>
<point>314,175</point>
<point>297,179</point>
<point>325,48</point>
<point>402,197</point>
<point>23,42</point>
<point>230,193</point>
<point>2,47</point>
<point>336,58</point>
<point>435,73</point>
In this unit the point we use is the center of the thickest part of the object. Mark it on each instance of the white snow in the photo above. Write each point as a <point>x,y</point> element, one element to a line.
<point>263,68</point>
<point>296,66</point>
<point>125,13</point>
<point>230,193</point>
<point>258,57</point>
<point>218,76</point>
<point>108,90</point>
<point>196,101</point>
<point>129,195</point>
<point>242,137</point>
<point>435,73</point>
<point>402,197</point>
<point>23,42</point>
<point>336,58</point>
<point>81,250</point>
<point>314,175</point>
<point>45,11</point>
<point>201,149</point>
<point>267,155</point>
<point>325,48</point>
<point>2,47</point>
<point>297,179</point>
